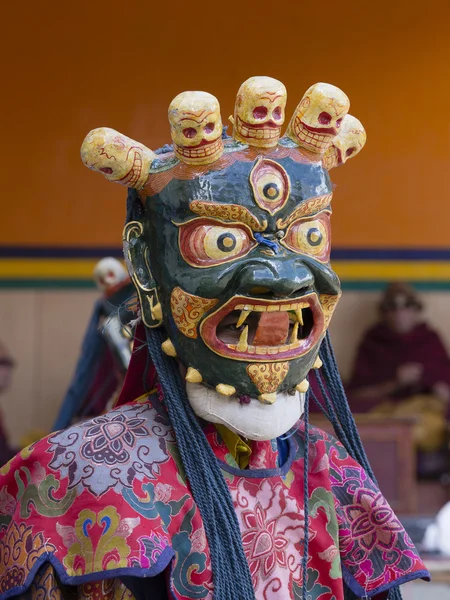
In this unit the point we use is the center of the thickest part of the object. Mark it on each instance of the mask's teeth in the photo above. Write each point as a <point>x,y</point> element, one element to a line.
<point>303,386</point>
<point>193,376</point>
<point>299,316</point>
<point>318,363</point>
<point>168,348</point>
<point>225,390</point>
<point>244,314</point>
<point>243,341</point>
<point>267,398</point>
<point>294,333</point>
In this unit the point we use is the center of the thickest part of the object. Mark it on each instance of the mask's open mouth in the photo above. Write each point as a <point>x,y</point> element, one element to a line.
<point>255,329</point>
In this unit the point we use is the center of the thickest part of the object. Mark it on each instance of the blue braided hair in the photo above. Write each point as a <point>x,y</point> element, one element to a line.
<point>338,412</point>
<point>231,574</point>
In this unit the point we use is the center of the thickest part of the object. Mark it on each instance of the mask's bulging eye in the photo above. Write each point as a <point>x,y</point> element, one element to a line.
<point>206,243</point>
<point>219,242</point>
<point>314,236</point>
<point>270,184</point>
<point>310,236</point>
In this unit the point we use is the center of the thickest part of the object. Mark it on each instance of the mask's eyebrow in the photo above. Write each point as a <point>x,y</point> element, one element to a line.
<point>306,209</point>
<point>228,212</point>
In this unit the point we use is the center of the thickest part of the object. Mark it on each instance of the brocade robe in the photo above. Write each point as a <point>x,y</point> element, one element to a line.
<point>103,511</point>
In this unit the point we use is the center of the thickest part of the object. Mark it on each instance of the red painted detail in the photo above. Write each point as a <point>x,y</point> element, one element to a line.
<point>260,112</point>
<point>324,118</point>
<point>265,125</point>
<point>338,122</point>
<point>322,130</point>
<point>209,127</point>
<point>277,113</point>
<point>189,132</point>
<point>350,151</point>
<point>106,170</point>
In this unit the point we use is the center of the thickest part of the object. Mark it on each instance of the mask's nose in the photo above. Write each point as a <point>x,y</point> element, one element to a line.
<point>274,278</point>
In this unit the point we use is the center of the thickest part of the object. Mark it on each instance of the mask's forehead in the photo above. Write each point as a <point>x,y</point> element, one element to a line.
<point>236,185</point>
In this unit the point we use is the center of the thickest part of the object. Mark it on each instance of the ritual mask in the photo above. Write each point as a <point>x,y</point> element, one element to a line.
<point>232,256</point>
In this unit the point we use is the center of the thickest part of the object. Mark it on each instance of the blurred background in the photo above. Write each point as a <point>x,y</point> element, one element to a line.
<point>68,68</point>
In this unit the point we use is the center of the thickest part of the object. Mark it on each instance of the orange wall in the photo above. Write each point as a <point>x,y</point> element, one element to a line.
<point>70,67</point>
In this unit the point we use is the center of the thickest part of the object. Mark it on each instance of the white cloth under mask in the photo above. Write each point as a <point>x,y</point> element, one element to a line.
<point>254,421</point>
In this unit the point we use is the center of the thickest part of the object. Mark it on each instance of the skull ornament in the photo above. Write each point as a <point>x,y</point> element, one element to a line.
<point>318,117</point>
<point>259,112</point>
<point>196,127</point>
<point>108,273</point>
<point>350,140</point>
<point>117,157</point>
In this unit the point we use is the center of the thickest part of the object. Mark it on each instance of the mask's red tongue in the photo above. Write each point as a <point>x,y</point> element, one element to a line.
<point>273,329</point>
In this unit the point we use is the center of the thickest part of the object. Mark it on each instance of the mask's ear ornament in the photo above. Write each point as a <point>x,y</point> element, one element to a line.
<point>259,112</point>
<point>318,117</point>
<point>117,157</point>
<point>196,128</point>
<point>136,256</point>
<point>349,141</point>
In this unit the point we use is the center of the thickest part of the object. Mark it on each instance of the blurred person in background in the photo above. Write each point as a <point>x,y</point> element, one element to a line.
<point>403,369</point>
<point>6,371</point>
<point>106,348</point>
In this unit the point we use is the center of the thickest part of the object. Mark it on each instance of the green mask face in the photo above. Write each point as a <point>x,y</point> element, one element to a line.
<point>241,261</point>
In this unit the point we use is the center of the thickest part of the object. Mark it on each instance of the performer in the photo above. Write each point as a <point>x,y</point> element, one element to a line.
<point>205,481</point>
<point>106,348</point>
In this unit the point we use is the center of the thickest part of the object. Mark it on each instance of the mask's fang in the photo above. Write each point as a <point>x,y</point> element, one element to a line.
<point>299,316</point>
<point>244,314</point>
<point>243,341</point>
<point>294,333</point>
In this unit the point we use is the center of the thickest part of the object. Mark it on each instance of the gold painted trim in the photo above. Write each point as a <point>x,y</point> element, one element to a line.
<point>205,209</point>
<point>137,226</point>
<point>310,208</point>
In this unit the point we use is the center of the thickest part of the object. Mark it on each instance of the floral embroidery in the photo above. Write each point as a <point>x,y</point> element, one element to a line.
<point>128,443</point>
<point>273,527</point>
<point>372,521</point>
<point>111,439</point>
<point>97,542</point>
<point>18,552</point>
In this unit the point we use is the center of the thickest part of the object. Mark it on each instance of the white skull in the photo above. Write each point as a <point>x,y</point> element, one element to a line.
<point>349,141</point>
<point>318,117</point>
<point>108,273</point>
<point>196,127</point>
<point>259,112</point>
<point>117,157</point>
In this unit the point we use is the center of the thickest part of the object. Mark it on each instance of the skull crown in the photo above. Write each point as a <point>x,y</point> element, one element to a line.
<point>259,112</point>
<point>318,117</point>
<point>349,141</point>
<point>320,125</point>
<point>196,127</point>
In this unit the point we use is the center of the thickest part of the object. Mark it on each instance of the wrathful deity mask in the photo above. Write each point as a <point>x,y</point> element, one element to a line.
<point>231,249</point>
